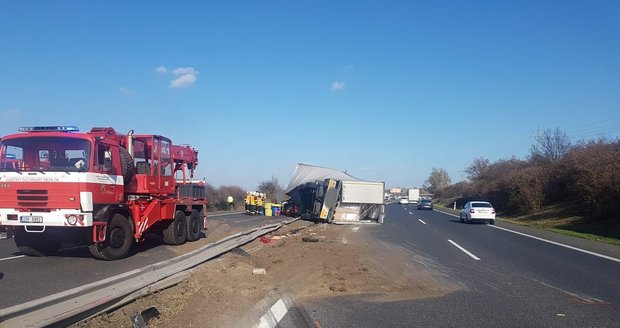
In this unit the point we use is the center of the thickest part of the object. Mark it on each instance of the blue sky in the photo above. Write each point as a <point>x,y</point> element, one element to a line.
<point>385,90</point>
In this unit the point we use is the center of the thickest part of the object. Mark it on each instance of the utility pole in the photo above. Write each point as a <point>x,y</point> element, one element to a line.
<point>537,137</point>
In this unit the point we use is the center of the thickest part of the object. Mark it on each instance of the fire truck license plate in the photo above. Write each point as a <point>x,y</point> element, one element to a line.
<point>31,219</point>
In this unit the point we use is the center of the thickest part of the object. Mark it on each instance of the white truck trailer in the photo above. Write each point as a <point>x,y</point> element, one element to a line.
<point>325,194</point>
<point>414,195</point>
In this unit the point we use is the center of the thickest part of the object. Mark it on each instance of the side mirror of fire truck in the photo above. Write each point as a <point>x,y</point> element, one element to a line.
<point>107,161</point>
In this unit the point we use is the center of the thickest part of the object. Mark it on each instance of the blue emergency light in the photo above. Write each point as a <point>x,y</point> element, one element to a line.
<point>65,128</point>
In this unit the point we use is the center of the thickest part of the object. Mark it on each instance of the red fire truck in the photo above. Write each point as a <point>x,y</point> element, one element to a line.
<point>101,188</point>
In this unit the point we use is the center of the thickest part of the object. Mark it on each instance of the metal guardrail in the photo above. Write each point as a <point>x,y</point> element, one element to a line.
<point>86,301</point>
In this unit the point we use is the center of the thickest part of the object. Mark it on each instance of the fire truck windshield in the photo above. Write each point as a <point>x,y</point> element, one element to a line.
<point>45,154</point>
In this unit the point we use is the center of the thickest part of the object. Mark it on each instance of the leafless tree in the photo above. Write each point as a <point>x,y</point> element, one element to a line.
<point>437,181</point>
<point>272,188</point>
<point>217,197</point>
<point>550,146</point>
<point>477,169</point>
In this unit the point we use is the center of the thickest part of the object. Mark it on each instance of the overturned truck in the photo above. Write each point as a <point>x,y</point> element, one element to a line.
<point>328,195</point>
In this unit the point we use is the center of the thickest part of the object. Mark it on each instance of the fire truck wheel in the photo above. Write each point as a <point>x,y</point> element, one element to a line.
<point>127,166</point>
<point>118,240</point>
<point>176,232</point>
<point>193,226</point>
<point>35,244</point>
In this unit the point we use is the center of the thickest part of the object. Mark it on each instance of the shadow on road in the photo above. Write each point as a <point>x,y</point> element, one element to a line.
<point>151,241</point>
<point>471,222</point>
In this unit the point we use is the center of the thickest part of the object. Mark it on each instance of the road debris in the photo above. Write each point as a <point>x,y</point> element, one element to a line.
<point>259,271</point>
<point>338,287</point>
<point>141,319</point>
<point>313,239</point>
<point>240,252</point>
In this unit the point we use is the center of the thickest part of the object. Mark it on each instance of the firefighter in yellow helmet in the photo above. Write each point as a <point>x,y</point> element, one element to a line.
<point>231,202</point>
<point>252,203</point>
<point>260,204</point>
<point>247,202</point>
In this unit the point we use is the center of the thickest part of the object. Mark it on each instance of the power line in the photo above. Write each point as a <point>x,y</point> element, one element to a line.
<point>589,124</point>
<point>601,134</point>
<point>594,128</point>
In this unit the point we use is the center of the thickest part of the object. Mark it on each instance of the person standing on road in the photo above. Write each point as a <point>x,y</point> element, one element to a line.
<point>247,203</point>
<point>252,203</point>
<point>231,202</point>
<point>260,204</point>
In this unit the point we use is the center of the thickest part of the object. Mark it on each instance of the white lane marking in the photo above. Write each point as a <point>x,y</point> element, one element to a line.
<point>12,257</point>
<point>559,244</point>
<point>410,213</point>
<point>422,221</point>
<point>271,318</point>
<point>548,241</point>
<point>355,229</point>
<point>279,310</point>
<point>18,256</point>
<point>464,250</point>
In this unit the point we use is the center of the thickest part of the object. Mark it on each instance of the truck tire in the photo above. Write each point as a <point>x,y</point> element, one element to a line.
<point>194,226</point>
<point>128,168</point>
<point>35,244</point>
<point>176,232</point>
<point>118,240</point>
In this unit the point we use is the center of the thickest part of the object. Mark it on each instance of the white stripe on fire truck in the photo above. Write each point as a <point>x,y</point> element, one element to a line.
<point>143,225</point>
<point>84,177</point>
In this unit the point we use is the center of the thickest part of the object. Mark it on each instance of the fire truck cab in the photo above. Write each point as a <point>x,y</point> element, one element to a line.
<point>101,188</point>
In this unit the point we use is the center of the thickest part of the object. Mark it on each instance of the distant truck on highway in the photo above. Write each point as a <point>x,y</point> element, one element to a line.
<point>414,195</point>
<point>101,188</point>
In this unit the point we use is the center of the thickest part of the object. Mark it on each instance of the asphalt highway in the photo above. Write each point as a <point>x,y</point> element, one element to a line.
<point>507,278</point>
<point>24,278</point>
<point>506,275</point>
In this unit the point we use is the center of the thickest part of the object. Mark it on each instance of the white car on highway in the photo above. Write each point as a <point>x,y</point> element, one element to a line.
<point>404,200</point>
<point>478,211</point>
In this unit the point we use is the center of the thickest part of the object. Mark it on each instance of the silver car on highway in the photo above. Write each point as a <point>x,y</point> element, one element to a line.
<point>478,211</point>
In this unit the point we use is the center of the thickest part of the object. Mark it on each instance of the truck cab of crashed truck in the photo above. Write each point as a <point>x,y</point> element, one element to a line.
<point>53,179</point>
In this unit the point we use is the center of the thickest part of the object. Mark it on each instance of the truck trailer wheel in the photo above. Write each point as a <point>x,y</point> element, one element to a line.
<point>35,244</point>
<point>118,240</point>
<point>194,226</point>
<point>176,232</point>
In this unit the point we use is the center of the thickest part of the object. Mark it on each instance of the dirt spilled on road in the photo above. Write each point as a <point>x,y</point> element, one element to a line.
<point>302,260</point>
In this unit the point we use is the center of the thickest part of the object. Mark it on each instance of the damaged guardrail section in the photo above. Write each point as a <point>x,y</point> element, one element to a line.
<point>73,305</point>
